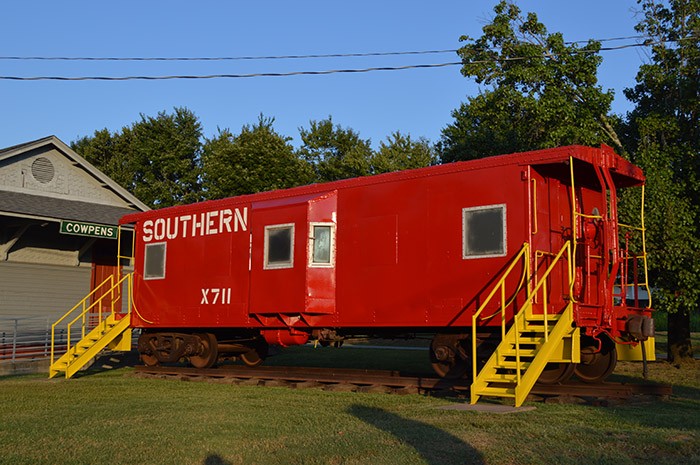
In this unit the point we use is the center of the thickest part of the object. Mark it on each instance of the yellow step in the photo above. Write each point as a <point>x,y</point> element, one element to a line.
<point>531,340</point>
<point>512,365</point>
<point>502,378</point>
<point>550,317</point>
<point>497,391</point>
<point>523,353</point>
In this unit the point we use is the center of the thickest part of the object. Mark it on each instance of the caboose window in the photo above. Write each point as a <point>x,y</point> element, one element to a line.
<point>154,261</point>
<point>321,246</point>
<point>484,231</point>
<point>279,246</point>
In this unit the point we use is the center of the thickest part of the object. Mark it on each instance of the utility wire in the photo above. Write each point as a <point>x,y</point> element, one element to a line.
<point>310,73</point>
<point>229,76</point>
<point>238,58</point>
<point>271,57</point>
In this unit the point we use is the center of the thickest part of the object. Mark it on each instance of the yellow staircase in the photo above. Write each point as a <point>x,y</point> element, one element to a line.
<point>532,341</point>
<point>99,329</point>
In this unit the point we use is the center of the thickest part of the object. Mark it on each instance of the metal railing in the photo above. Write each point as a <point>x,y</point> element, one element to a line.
<point>531,294</point>
<point>25,338</point>
<point>524,256</point>
<point>89,312</point>
<point>628,257</point>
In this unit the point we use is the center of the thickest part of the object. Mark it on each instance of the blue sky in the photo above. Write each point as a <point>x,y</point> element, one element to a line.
<point>416,102</point>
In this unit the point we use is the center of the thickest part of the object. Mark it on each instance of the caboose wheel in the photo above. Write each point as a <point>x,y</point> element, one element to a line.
<point>149,360</point>
<point>595,367</point>
<point>554,373</point>
<point>252,359</point>
<point>256,355</point>
<point>209,353</point>
<point>448,356</point>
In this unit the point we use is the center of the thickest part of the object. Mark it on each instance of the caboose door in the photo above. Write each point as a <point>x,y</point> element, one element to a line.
<point>277,264</point>
<point>550,226</point>
<point>293,255</point>
<point>559,214</point>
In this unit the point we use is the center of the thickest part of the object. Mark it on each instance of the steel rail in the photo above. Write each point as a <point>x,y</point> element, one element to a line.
<point>391,380</point>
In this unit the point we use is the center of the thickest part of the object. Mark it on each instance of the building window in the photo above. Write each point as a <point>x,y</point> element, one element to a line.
<point>322,245</point>
<point>484,231</point>
<point>154,264</point>
<point>279,246</point>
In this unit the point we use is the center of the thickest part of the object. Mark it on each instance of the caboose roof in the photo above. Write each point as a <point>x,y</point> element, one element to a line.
<point>625,174</point>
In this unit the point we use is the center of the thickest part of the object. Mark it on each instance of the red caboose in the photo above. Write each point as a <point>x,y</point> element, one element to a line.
<point>455,250</point>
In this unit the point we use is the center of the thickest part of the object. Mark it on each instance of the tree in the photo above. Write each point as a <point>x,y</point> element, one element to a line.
<point>542,92</point>
<point>167,152</point>
<point>334,152</point>
<point>157,158</point>
<point>258,159</point>
<point>110,154</point>
<point>400,153</point>
<point>664,136</point>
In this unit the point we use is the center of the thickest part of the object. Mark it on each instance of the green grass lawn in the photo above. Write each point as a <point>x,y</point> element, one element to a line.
<point>113,417</point>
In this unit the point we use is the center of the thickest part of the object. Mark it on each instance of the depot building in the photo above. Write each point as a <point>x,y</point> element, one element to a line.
<point>58,231</point>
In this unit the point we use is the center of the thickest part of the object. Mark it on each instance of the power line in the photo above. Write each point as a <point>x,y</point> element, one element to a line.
<point>236,58</point>
<point>271,57</point>
<point>315,73</point>
<point>226,76</point>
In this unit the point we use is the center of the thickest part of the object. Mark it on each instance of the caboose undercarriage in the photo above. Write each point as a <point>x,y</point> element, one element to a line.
<point>449,352</point>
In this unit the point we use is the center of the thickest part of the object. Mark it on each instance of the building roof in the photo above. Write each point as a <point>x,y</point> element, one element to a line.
<point>18,200</point>
<point>36,206</point>
<point>58,144</point>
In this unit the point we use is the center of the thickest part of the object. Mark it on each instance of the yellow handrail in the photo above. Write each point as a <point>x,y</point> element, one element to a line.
<point>531,293</point>
<point>523,254</point>
<point>114,289</point>
<point>574,229</point>
<point>643,256</point>
<point>119,246</point>
<point>534,201</point>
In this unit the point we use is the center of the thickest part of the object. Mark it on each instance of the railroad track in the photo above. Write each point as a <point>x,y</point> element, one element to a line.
<point>392,382</point>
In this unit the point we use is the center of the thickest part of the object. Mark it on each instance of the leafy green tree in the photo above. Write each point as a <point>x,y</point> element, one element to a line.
<point>157,158</point>
<point>258,159</point>
<point>167,150</point>
<point>110,154</point>
<point>664,136</point>
<point>541,91</point>
<point>400,152</point>
<point>334,152</point>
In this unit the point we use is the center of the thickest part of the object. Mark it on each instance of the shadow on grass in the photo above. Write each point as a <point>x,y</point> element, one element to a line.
<point>435,446</point>
<point>215,459</point>
<point>110,361</point>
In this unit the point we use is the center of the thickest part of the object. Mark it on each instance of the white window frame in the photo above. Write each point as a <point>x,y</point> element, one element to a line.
<point>466,210</point>
<point>331,263</point>
<point>280,265</point>
<point>145,257</point>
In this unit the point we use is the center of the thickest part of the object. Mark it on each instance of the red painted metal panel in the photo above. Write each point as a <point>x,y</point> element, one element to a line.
<point>206,275</point>
<point>278,289</point>
<point>320,276</point>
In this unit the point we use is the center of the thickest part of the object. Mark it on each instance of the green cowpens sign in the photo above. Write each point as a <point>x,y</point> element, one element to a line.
<point>78,228</point>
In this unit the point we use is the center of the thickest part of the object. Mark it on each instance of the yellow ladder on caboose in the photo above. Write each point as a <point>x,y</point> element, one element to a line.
<point>532,341</point>
<point>98,329</point>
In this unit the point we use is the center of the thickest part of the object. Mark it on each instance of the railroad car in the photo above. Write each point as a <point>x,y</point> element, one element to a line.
<point>453,251</point>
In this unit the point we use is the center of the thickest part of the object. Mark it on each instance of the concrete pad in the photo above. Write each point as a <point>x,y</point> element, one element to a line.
<point>487,408</point>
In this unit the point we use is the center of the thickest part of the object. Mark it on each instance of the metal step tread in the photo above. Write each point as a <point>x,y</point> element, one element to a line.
<point>527,353</point>
<point>496,391</point>
<point>512,365</point>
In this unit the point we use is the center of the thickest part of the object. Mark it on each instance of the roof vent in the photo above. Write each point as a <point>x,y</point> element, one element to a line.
<point>43,170</point>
